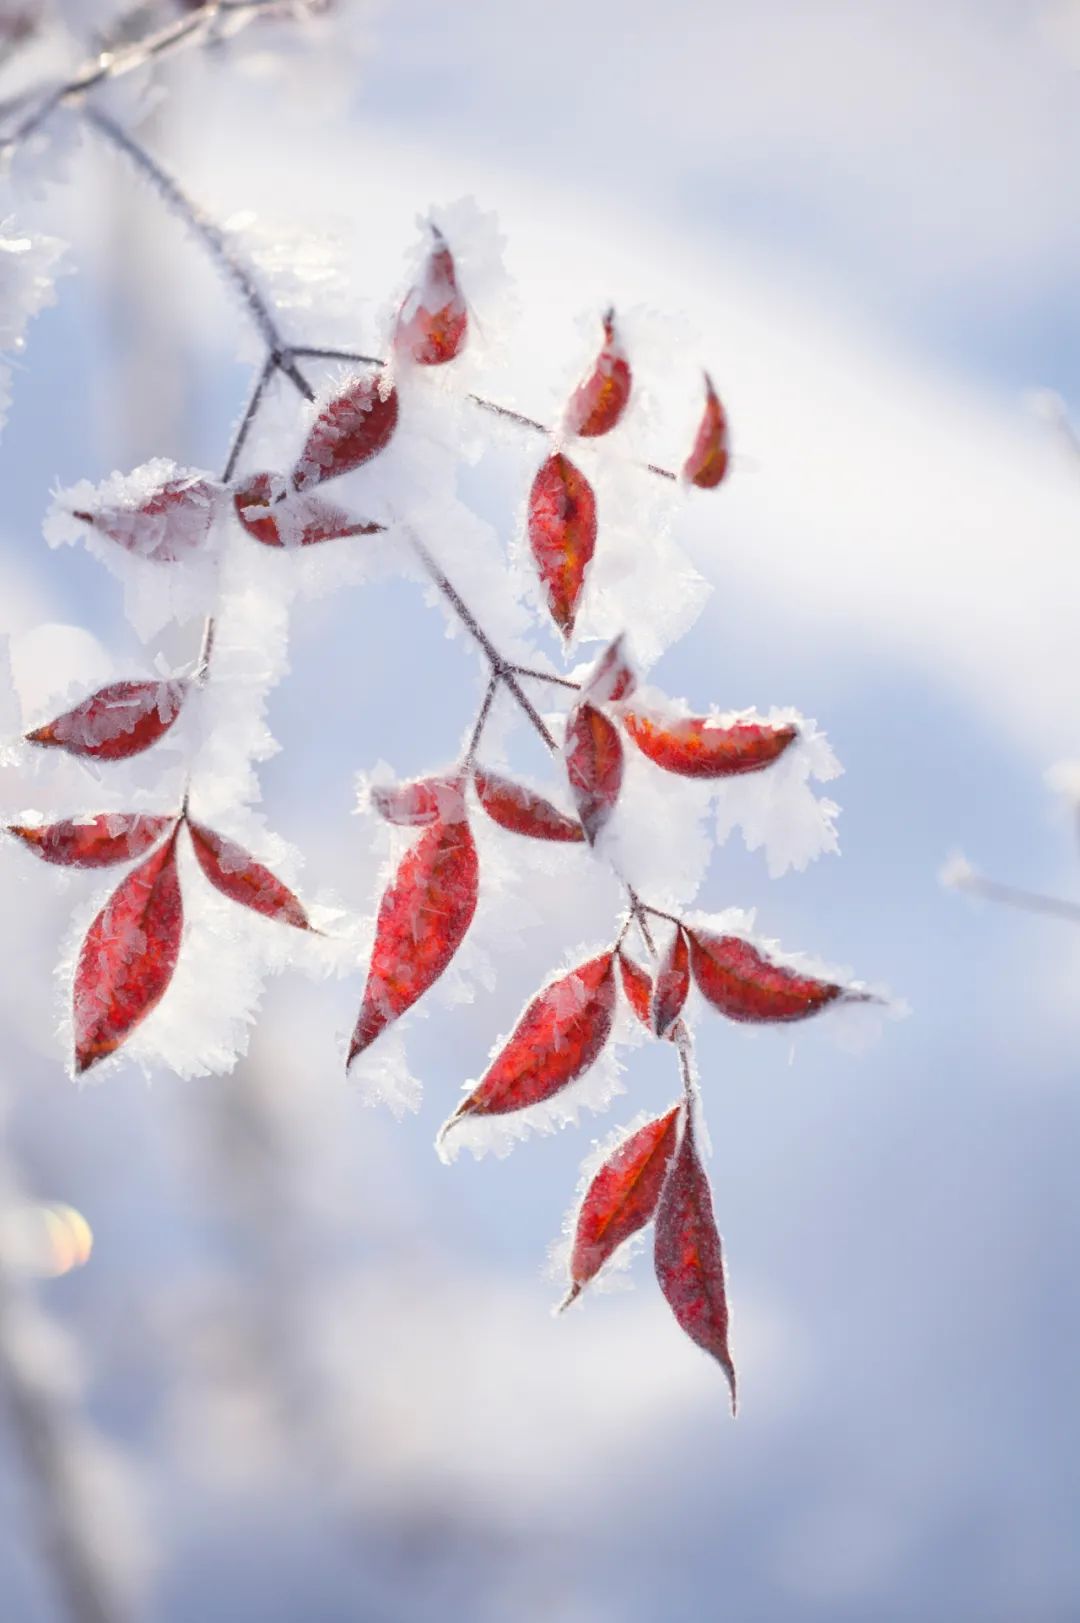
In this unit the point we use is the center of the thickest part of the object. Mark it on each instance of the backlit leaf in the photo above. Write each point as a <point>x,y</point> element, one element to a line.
<point>279,518</point>
<point>743,984</point>
<point>672,984</point>
<point>696,747</point>
<point>117,721</point>
<point>594,765</point>
<point>562,535</point>
<point>234,872</point>
<point>432,321</point>
<point>350,429</point>
<point>621,1198</point>
<point>710,458</point>
<point>168,525</point>
<point>522,811</point>
<point>95,842</point>
<point>600,399</point>
<point>420,802</point>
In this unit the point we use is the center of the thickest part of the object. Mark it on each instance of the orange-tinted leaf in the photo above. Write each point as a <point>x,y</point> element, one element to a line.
<point>672,984</point>
<point>689,1256</point>
<point>638,986</point>
<point>277,518</point>
<point>171,523</point>
<point>432,321</point>
<point>613,676</point>
<point>117,721</point>
<point>558,1037</point>
<point>562,535</point>
<point>422,921</point>
<point>234,872</point>
<point>96,842</point>
<point>621,1198</point>
<point>522,811</point>
<point>349,430</point>
<point>600,399</point>
<point>696,747</point>
<point>128,957</point>
<point>710,458</point>
<point>742,983</point>
<point>420,802</point>
<point>594,765</point>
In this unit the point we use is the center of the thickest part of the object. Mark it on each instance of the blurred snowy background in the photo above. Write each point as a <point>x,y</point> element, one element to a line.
<point>310,1371</point>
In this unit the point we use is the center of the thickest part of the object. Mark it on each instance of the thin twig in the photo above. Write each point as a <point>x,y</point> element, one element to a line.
<point>481,722</point>
<point>546,676</point>
<point>1029,901</point>
<point>306,353</point>
<point>269,367</point>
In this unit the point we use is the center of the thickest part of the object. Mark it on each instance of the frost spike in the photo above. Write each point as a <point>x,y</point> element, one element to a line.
<point>433,319</point>
<point>127,959</point>
<point>173,521</point>
<point>562,535</point>
<point>265,512</point>
<point>594,765</point>
<point>672,985</point>
<point>689,1256</point>
<point>621,1198</point>
<point>95,842</point>
<point>235,873</point>
<point>744,985</point>
<point>117,721</point>
<point>349,430</point>
<point>600,399</point>
<point>710,458</point>
<point>522,811</point>
<point>696,747</point>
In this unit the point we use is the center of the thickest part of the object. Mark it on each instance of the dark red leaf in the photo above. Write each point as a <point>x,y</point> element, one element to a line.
<point>614,677</point>
<point>432,321</point>
<point>117,721</point>
<point>420,802</point>
<point>352,428</point>
<point>96,842</point>
<point>672,984</point>
<point>600,399</point>
<point>277,518</point>
<point>689,1256</point>
<point>710,458</point>
<point>621,1198</point>
<point>128,957</point>
<point>638,986</point>
<point>742,983</point>
<point>562,535</point>
<point>234,872</point>
<point>171,523</point>
<point>557,1038</point>
<point>422,921</point>
<point>522,811</point>
<point>594,765</point>
<point>696,747</point>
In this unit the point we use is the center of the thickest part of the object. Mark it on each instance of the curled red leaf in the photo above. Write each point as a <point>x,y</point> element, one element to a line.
<point>117,721</point>
<point>710,458</point>
<point>672,984</point>
<point>689,1256</point>
<point>600,399</point>
<point>422,921</point>
<point>613,676</point>
<point>562,535</point>
<point>128,957</point>
<point>277,518</point>
<point>522,811</point>
<point>349,430</point>
<point>594,765</point>
<point>696,747</point>
<point>433,320</point>
<point>743,984</point>
<point>95,842</point>
<point>168,525</point>
<point>621,1198</point>
<point>420,802</point>
<point>234,872</point>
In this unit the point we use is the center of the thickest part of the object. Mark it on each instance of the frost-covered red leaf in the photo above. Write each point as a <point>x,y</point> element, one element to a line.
<point>95,842</point>
<point>522,811</point>
<point>638,986</point>
<point>169,524</point>
<point>128,957</point>
<point>672,984</point>
<point>696,747</point>
<point>277,518</point>
<point>621,1198</point>
<point>117,721</point>
<point>422,921</point>
<point>613,676</point>
<point>689,1256</point>
<point>559,1036</point>
<point>710,458</point>
<point>350,429</point>
<point>562,535</point>
<point>420,802</point>
<point>433,320</point>
<point>743,984</point>
<point>594,765</point>
<point>600,399</point>
<point>234,872</point>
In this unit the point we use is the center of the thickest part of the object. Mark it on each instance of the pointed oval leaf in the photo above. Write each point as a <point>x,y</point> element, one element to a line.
<point>562,535</point>
<point>522,811</point>
<point>621,1198</point>
<point>234,872</point>
<point>689,1256</point>
<point>95,842</point>
<point>638,986</point>
<point>128,957</point>
<point>696,747</point>
<point>594,765</point>
<point>422,921</point>
<point>349,430</point>
<point>117,721</point>
<point>613,676</point>
<point>277,518</point>
<point>710,458</point>
<point>420,802</point>
<point>744,985</point>
<point>433,320</point>
<point>600,399</point>
<point>672,984</point>
<point>172,522</point>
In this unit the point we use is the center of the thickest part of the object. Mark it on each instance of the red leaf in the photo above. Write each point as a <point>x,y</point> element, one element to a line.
<point>689,1256</point>
<point>621,1198</point>
<point>234,872</point>
<point>352,428</point>
<point>600,399</point>
<point>638,986</point>
<point>614,677</point>
<point>97,842</point>
<point>562,535</point>
<point>432,321</point>
<point>422,921</point>
<point>419,803</point>
<point>267,512</point>
<point>745,985</point>
<point>594,765</point>
<point>172,522</point>
<point>696,747</point>
<point>710,458</point>
<point>513,806</point>
<point>672,984</point>
<point>128,957</point>
<point>558,1037</point>
<point>117,721</point>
